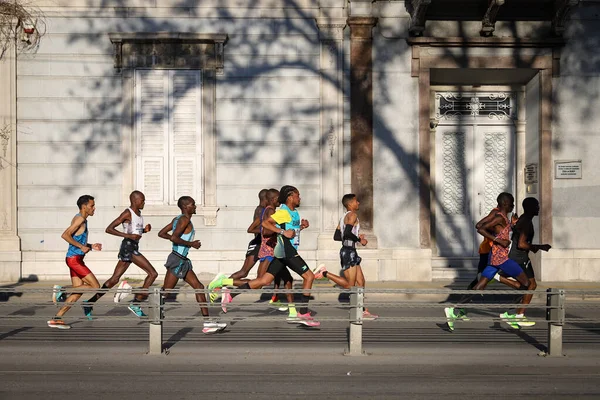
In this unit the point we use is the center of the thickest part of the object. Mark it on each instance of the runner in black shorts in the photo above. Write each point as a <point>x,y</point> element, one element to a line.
<point>253,247</point>
<point>285,253</point>
<point>347,232</point>
<point>523,233</point>
<point>133,228</point>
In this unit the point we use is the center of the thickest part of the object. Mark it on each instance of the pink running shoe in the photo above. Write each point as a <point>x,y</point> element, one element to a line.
<point>319,271</point>
<point>368,316</point>
<point>306,319</point>
<point>225,299</point>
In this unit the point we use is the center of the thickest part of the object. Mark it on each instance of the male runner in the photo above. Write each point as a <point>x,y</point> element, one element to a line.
<point>347,232</point>
<point>81,276</point>
<point>498,229</point>
<point>265,255</point>
<point>523,233</point>
<point>133,227</point>
<point>251,252</point>
<point>254,244</point>
<point>286,253</point>
<point>178,265</point>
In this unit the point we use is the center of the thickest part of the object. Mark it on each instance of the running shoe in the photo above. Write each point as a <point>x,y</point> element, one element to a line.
<point>280,306</point>
<point>137,310</point>
<point>510,319</point>
<point>303,319</point>
<point>87,310</point>
<point>461,314</point>
<point>58,295</point>
<point>212,327</point>
<point>225,299</point>
<point>368,316</point>
<point>59,324</point>
<point>523,322</point>
<point>308,320</point>
<point>319,271</point>
<point>217,281</point>
<point>123,290</point>
<point>450,316</point>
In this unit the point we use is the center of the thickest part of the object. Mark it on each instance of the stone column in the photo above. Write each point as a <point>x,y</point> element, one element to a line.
<point>361,117</point>
<point>331,35</point>
<point>10,245</point>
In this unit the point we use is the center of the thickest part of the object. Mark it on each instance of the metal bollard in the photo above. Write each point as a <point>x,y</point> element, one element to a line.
<point>555,315</point>
<point>357,298</point>
<point>156,317</point>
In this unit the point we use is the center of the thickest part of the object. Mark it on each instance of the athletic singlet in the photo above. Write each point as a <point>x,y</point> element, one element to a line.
<point>81,239</point>
<point>355,230</point>
<point>499,254</point>
<point>181,249</point>
<point>136,225</point>
<point>287,219</point>
<point>267,243</point>
<point>520,256</point>
<point>486,244</point>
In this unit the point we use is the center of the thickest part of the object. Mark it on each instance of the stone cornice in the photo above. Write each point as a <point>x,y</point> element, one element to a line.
<point>167,36</point>
<point>331,28</point>
<point>164,49</point>
<point>484,42</point>
<point>361,27</point>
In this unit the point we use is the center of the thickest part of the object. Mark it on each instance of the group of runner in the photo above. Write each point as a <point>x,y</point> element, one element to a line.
<point>505,258</point>
<point>276,225</point>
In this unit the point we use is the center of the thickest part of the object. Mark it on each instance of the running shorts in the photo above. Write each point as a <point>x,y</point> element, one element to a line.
<point>178,265</point>
<point>128,248</point>
<point>349,257</point>
<point>509,267</point>
<point>295,263</point>
<point>528,269</point>
<point>77,266</point>
<point>253,248</point>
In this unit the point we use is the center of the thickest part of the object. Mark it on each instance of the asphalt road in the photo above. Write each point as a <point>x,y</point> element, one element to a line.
<point>260,356</point>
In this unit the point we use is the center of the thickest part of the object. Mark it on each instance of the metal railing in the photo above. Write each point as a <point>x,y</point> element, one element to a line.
<point>555,309</point>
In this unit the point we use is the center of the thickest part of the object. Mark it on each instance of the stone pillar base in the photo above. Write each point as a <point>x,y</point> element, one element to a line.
<point>10,266</point>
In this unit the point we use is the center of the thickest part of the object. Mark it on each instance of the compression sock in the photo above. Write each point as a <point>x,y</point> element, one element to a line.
<point>292,310</point>
<point>305,300</point>
<point>95,297</point>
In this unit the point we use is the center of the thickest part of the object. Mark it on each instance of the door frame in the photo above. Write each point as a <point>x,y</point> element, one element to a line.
<point>539,55</point>
<point>518,122</point>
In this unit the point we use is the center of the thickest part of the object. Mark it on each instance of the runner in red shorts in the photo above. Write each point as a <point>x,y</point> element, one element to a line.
<point>81,276</point>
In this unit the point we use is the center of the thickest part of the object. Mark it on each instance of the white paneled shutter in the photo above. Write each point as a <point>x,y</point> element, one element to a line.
<point>169,148</point>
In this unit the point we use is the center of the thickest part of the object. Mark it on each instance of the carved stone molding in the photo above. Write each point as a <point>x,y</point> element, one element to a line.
<point>488,24</point>
<point>361,28</point>
<point>562,9</point>
<point>417,17</point>
<point>168,50</point>
<point>331,29</point>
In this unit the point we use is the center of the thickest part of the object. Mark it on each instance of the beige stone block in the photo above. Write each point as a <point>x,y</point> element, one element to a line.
<point>555,270</point>
<point>414,270</point>
<point>266,109</point>
<point>388,270</point>
<point>370,269</point>
<point>65,65</point>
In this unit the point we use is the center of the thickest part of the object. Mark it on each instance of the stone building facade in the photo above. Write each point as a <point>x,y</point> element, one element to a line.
<point>426,109</point>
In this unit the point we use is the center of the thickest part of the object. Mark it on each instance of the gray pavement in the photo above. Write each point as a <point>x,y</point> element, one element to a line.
<point>410,352</point>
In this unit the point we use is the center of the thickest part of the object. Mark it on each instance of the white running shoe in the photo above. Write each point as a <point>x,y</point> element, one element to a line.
<point>212,327</point>
<point>123,290</point>
<point>319,271</point>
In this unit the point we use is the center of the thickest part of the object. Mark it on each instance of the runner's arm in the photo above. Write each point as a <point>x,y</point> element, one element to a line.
<point>70,232</point>
<point>124,217</point>
<point>164,232</point>
<point>254,226</point>
<point>180,227</point>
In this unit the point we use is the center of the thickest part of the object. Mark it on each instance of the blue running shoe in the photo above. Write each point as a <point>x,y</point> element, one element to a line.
<point>87,310</point>
<point>137,310</point>
<point>58,295</point>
